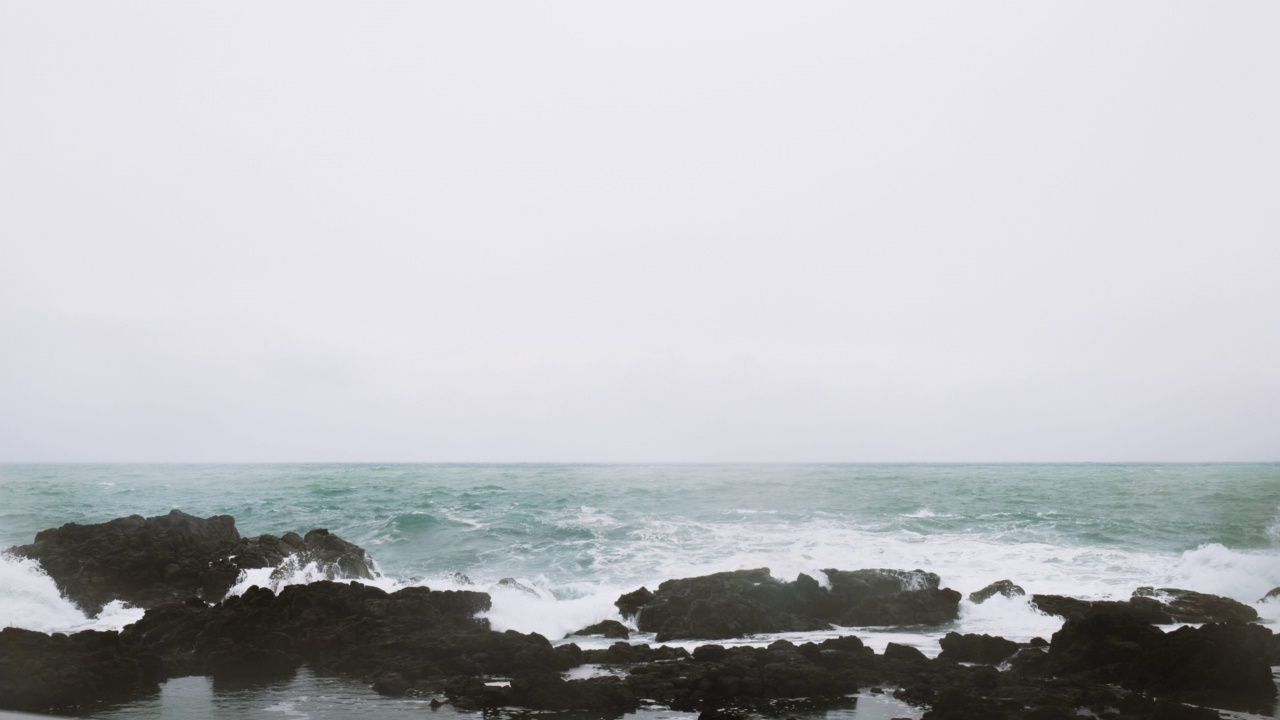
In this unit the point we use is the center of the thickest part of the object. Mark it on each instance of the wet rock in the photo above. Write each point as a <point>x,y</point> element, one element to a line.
<point>1223,665</point>
<point>903,653</point>
<point>630,603</point>
<point>890,597</point>
<point>65,673</point>
<point>974,648</point>
<point>1148,609</point>
<point>735,604</point>
<point>1273,594</point>
<point>605,628</point>
<point>1188,606</point>
<point>149,561</point>
<point>999,587</point>
<point>513,584</point>
<point>722,605</point>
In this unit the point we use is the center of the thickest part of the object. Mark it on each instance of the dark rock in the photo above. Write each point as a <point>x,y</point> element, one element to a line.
<point>974,648</point>
<point>149,561</point>
<point>1223,665</point>
<point>1147,609</point>
<point>1273,594</point>
<point>904,653</point>
<point>61,673</point>
<point>630,603</point>
<point>999,587</point>
<point>1188,606</point>
<point>723,605</point>
<point>606,628</point>
<point>890,597</point>
<point>746,602</point>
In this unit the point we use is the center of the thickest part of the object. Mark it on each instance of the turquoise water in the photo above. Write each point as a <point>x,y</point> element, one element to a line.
<point>576,536</point>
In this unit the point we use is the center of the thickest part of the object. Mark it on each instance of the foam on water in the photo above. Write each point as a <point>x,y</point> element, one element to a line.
<point>29,599</point>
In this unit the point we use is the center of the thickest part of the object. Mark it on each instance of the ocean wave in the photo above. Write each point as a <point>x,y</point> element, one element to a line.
<point>29,599</point>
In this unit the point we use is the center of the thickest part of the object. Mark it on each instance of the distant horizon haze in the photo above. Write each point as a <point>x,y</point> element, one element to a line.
<point>640,231</point>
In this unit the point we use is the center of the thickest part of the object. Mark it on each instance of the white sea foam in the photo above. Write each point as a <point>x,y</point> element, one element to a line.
<point>29,599</point>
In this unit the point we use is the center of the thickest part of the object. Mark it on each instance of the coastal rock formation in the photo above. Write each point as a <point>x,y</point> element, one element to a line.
<point>1188,606</point>
<point>745,602</point>
<point>606,628</point>
<point>1224,665</point>
<point>999,587</point>
<point>45,673</point>
<point>1160,607</point>
<point>974,648</point>
<point>148,561</point>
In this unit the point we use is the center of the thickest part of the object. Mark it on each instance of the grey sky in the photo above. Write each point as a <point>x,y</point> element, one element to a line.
<point>639,231</point>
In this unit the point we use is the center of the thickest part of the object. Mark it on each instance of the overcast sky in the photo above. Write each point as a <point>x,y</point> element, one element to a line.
<point>634,231</point>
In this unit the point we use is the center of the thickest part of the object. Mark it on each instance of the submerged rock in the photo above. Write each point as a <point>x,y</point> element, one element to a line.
<point>999,587</point>
<point>149,561</point>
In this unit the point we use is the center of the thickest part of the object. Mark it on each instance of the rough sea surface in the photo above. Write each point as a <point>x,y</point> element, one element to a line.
<point>574,537</point>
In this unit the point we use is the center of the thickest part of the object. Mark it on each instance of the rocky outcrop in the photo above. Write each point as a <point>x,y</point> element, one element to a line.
<point>1160,607</point>
<point>745,602</point>
<point>149,561</point>
<point>1273,594</point>
<point>606,628</point>
<point>999,587</point>
<point>974,648</point>
<point>47,673</point>
<point>723,605</point>
<point>1188,606</point>
<point>1223,665</point>
<point>1146,609</point>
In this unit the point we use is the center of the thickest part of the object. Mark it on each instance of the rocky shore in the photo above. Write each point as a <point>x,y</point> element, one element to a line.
<point>1110,659</point>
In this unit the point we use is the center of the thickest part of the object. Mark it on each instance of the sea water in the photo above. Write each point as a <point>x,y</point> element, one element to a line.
<point>574,537</point>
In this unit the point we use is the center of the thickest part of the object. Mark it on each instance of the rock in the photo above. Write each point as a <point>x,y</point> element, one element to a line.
<point>903,653</point>
<point>630,603</point>
<point>974,648</point>
<point>1188,606</point>
<point>606,628</point>
<point>166,558</point>
<point>746,602</point>
<point>513,584</point>
<point>61,673</point>
<point>1223,665</point>
<point>1273,594</point>
<point>999,587</point>
<point>722,605</point>
<point>1148,609</point>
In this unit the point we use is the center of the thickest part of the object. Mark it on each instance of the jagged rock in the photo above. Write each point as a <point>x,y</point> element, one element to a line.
<point>722,605</point>
<point>904,653</point>
<point>890,597</point>
<point>629,604</point>
<point>605,628</point>
<point>166,558</point>
<point>513,584</point>
<point>63,673</point>
<point>974,648</point>
<point>1188,606</point>
<point>745,602</point>
<point>1223,665</point>
<point>1273,594</point>
<point>1148,609</point>
<point>999,587</point>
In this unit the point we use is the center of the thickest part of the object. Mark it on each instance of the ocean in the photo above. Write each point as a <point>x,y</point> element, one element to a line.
<point>572,538</point>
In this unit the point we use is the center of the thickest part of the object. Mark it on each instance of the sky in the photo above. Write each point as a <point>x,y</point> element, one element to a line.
<point>639,231</point>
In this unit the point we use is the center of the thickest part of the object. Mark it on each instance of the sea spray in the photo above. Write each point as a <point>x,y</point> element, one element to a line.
<point>29,599</point>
